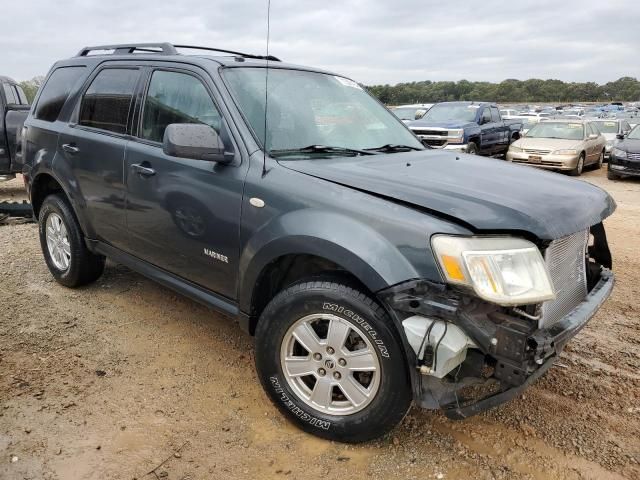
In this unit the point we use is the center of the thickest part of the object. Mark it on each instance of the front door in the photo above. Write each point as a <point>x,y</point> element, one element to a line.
<point>183,215</point>
<point>95,145</point>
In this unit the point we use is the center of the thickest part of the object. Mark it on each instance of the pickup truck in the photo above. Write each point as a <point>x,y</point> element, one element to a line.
<point>14,109</point>
<point>470,127</point>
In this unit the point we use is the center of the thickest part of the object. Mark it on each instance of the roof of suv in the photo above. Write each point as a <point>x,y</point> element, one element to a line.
<point>4,79</point>
<point>169,52</point>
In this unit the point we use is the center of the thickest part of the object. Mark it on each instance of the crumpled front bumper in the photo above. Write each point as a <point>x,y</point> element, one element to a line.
<point>550,342</point>
<point>519,357</point>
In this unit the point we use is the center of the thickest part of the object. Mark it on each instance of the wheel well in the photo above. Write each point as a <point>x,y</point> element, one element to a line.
<point>515,136</point>
<point>289,269</point>
<point>43,186</point>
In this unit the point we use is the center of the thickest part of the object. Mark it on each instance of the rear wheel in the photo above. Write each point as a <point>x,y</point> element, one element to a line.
<point>330,359</point>
<point>577,171</point>
<point>62,242</point>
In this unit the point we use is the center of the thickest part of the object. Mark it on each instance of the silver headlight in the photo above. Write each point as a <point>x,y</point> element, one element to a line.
<point>502,270</point>
<point>455,136</point>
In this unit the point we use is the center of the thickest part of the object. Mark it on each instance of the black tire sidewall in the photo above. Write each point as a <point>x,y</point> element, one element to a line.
<point>55,204</point>
<point>472,149</point>
<point>394,394</point>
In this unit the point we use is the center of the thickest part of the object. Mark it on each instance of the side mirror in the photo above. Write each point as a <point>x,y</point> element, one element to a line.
<point>592,136</point>
<point>196,141</point>
<point>621,136</point>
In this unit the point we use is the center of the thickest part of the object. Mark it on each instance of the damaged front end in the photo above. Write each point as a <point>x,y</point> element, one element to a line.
<point>470,355</point>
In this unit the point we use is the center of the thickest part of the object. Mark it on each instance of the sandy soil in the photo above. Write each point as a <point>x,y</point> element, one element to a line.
<point>125,379</point>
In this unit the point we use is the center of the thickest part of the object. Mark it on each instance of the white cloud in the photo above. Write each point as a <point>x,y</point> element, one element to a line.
<point>373,41</point>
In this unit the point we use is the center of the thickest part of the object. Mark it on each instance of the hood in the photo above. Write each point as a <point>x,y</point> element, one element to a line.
<point>484,194</point>
<point>449,125</point>
<point>547,143</point>
<point>629,145</point>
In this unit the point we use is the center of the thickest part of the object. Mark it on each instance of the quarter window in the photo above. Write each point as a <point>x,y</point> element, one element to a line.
<point>55,92</point>
<point>107,102</point>
<point>175,97</point>
<point>9,93</point>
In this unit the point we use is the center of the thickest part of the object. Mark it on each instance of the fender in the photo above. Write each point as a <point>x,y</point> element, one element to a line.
<point>353,245</point>
<point>63,176</point>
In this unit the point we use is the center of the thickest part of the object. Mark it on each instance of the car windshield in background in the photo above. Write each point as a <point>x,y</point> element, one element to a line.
<point>409,113</point>
<point>561,130</point>
<point>447,113</point>
<point>635,133</point>
<point>311,109</point>
<point>607,127</point>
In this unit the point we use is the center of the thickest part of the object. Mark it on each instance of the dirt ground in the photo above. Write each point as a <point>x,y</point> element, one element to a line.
<point>125,379</point>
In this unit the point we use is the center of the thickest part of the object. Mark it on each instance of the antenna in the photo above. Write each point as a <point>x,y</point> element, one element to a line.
<point>266,93</point>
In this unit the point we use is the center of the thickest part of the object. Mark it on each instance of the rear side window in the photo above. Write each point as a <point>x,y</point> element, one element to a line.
<point>175,97</point>
<point>495,115</point>
<point>22,98</point>
<point>107,102</point>
<point>55,92</point>
<point>9,93</point>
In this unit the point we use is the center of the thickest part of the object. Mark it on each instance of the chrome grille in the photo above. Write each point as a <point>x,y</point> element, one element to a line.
<point>565,258</point>
<point>535,151</point>
<point>633,156</point>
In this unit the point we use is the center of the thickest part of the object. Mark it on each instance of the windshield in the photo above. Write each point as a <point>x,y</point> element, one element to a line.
<point>561,130</point>
<point>447,113</point>
<point>635,133</point>
<point>607,127</point>
<point>310,108</point>
<point>409,113</point>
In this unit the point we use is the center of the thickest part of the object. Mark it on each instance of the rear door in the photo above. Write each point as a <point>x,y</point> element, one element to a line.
<point>183,215</point>
<point>94,146</point>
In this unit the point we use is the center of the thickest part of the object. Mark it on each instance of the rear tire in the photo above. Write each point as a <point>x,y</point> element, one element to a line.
<point>576,172</point>
<point>349,390</point>
<point>62,241</point>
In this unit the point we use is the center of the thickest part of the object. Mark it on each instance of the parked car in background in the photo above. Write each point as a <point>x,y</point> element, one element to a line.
<point>528,121</point>
<point>625,156</point>
<point>567,145</point>
<point>408,113</point>
<point>373,272</point>
<point>508,112</point>
<point>13,111</point>
<point>633,118</point>
<point>611,129</point>
<point>471,127</point>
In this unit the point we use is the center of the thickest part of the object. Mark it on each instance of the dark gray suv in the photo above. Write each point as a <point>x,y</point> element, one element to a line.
<point>373,272</point>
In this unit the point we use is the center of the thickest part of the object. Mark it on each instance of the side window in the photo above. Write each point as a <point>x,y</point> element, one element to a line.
<point>495,115</point>
<point>22,98</point>
<point>175,97</point>
<point>106,103</point>
<point>56,91</point>
<point>486,116</point>
<point>9,94</point>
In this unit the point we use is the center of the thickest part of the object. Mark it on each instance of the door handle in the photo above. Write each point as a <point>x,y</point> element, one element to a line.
<point>142,170</point>
<point>70,148</point>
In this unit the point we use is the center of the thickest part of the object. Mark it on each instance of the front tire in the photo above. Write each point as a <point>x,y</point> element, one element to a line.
<point>330,359</point>
<point>63,246</point>
<point>472,149</point>
<point>576,172</point>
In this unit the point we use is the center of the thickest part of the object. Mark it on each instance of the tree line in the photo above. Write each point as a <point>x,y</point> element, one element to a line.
<point>624,89</point>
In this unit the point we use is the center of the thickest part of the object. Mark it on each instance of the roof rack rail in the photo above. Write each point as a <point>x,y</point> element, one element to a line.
<point>231,52</point>
<point>161,48</point>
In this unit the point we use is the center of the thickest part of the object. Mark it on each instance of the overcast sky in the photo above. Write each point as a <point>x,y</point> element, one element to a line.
<point>372,41</point>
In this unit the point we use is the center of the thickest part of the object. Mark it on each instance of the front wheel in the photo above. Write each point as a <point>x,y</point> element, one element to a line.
<point>577,171</point>
<point>331,360</point>
<point>472,149</point>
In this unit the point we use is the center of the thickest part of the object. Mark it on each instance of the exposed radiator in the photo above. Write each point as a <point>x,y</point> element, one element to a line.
<point>565,258</point>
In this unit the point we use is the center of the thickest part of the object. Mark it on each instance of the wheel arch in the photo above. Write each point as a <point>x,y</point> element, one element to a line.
<point>278,256</point>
